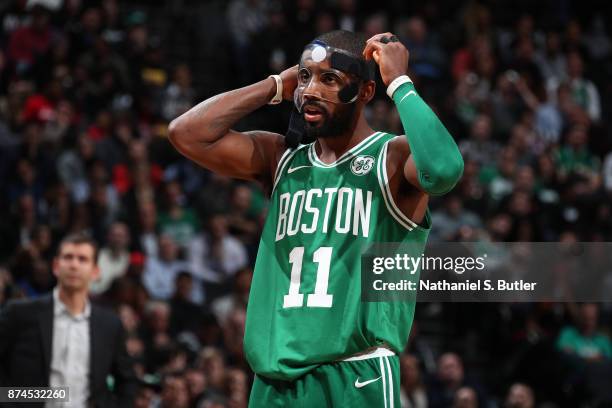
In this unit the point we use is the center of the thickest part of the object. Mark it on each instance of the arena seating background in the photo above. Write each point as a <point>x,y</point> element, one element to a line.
<point>86,94</point>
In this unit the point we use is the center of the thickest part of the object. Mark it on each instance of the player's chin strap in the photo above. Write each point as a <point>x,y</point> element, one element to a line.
<point>342,61</point>
<point>296,133</point>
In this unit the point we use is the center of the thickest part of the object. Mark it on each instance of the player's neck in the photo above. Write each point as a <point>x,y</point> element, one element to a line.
<point>329,149</point>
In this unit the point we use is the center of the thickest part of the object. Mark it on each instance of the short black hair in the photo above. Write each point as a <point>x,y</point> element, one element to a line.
<point>353,43</point>
<point>78,239</point>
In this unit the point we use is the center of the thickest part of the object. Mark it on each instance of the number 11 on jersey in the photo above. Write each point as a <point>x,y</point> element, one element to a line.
<point>320,297</point>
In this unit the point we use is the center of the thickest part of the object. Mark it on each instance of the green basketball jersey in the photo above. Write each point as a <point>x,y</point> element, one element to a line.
<point>305,303</point>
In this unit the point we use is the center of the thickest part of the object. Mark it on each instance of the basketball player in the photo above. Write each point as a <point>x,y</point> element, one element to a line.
<point>335,185</point>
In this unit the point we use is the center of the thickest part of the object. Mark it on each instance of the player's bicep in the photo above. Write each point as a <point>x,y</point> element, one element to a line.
<point>411,173</point>
<point>399,152</point>
<point>244,155</point>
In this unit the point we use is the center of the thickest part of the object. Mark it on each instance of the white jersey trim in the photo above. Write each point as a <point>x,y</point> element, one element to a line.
<point>377,352</point>
<point>287,156</point>
<point>364,144</point>
<point>383,181</point>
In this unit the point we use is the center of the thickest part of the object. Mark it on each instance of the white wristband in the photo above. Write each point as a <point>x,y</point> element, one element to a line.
<point>278,98</point>
<point>402,79</point>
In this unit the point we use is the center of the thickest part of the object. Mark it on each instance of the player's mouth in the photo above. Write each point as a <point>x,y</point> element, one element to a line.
<point>313,113</point>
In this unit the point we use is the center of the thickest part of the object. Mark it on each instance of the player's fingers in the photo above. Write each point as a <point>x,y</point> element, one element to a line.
<point>377,37</point>
<point>370,48</point>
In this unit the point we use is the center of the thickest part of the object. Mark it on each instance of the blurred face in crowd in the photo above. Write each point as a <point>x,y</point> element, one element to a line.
<point>450,369</point>
<point>524,179</point>
<point>144,398</point>
<point>75,266</point>
<point>243,283</point>
<point>410,374</point>
<point>168,251</point>
<point>184,284</point>
<point>174,193</point>
<point>128,318</point>
<point>218,226</point>
<point>588,318</point>
<point>236,382</point>
<point>40,18</point>
<point>416,30</point>
<point>175,393</point>
<point>118,237</point>
<point>196,382</point>
<point>241,198</point>
<point>481,128</point>
<point>465,398</point>
<point>454,206</point>
<point>507,161</point>
<point>577,137</point>
<point>574,65</point>
<point>519,396</point>
<point>213,365</point>
<point>148,216</point>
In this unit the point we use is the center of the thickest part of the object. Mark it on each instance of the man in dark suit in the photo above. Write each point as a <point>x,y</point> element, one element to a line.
<point>63,340</point>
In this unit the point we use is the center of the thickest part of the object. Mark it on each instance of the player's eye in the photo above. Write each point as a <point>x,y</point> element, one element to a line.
<point>303,75</point>
<point>331,78</point>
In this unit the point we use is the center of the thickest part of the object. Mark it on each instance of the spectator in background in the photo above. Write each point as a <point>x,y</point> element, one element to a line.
<point>550,59</point>
<point>577,96</point>
<point>465,397</point>
<point>211,361</point>
<point>179,96</point>
<point>412,391</point>
<point>607,173</point>
<point>574,155</point>
<point>73,333</point>
<point>114,258</point>
<point>452,218</point>
<point>28,43</point>
<point>72,168</point>
<point>223,306</point>
<point>236,387</point>
<point>245,19</point>
<point>585,340</point>
<point>426,56</point>
<point>160,271</point>
<point>184,314</point>
<point>197,386</point>
<point>479,147</point>
<point>584,92</point>
<point>174,393</point>
<point>147,239</point>
<point>449,381</point>
<point>498,179</point>
<point>240,219</point>
<point>519,396</point>
<point>178,221</point>
<point>155,333</point>
<point>215,257</point>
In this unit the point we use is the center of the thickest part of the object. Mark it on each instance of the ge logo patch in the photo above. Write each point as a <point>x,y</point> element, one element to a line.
<point>361,165</point>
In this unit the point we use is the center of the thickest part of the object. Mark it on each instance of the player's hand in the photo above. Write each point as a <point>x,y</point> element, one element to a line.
<point>391,56</point>
<point>289,78</point>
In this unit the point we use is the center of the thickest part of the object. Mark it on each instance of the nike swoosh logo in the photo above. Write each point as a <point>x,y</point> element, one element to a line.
<point>363,384</point>
<point>407,95</point>
<point>292,169</point>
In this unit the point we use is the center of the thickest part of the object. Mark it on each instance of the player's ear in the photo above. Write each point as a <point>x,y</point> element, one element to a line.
<point>367,91</point>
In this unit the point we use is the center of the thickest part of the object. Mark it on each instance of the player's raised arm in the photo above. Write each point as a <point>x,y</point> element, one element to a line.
<point>204,133</point>
<point>435,164</point>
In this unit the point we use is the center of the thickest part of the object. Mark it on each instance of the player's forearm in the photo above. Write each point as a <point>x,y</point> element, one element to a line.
<point>212,119</point>
<point>436,155</point>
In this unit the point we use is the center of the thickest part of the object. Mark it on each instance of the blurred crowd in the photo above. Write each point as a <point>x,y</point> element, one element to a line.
<point>87,89</point>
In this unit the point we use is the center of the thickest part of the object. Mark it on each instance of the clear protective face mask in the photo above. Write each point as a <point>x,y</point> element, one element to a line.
<point>335,84</point>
